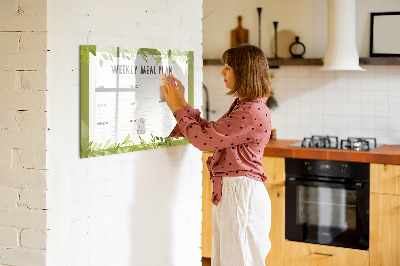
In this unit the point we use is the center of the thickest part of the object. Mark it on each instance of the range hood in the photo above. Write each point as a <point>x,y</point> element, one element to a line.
<point>341,51</point>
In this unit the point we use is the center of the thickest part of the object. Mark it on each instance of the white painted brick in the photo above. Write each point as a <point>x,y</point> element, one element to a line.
<point>98,222</point>
<point>103,9</point>
<point>8,237</point>
<point>193,23</point>
<point>9,42</point>
<point>168,20</point>
<point>7,80</point>
<point>8,6</point>
<point>15,158</point>
<point>5,159</point>
<point>31,56</point>
<point>32,61</point>
<point>8,197</point>
<point>35,120</point>
<point>79,175</point>
<point>31,80</point>
<point>34,7</point>
<point>97,251</point>
<point>33,43</point>
<point>197,166</point>
<point>33,159</point>
<point>24,22</point>
<point>33,239</point>
<point>33,199</point>
<point>23,100</point>
<point>35,140</point>
<point>80,227</point>
<point>114,186</point>
<point>176,7</point>
<point>22,218</point>
<point>196,37</point>
<point>197,11</point>
<point>17,256</point>
<point>97,190</point>
<point>23,178</point>
<point>81,193</point>
<point>97,173</point>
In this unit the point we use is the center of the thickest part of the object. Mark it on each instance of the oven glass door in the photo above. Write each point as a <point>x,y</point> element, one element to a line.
<point>326,213</point>
<point>327,207</point>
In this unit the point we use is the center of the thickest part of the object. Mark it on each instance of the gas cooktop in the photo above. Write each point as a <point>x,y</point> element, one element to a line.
<point>332,142</point>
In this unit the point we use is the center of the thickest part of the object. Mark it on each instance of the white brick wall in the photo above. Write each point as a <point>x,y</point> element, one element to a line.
<point>22,132</point>
<point>99,208</point>
<point>140,208</point>
<point>9,237</point>
<point>34,239</point>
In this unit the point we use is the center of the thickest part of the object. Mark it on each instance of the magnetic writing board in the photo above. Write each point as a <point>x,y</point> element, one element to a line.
<point>122,106</point>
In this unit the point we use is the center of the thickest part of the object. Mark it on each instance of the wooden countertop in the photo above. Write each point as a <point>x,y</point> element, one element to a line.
<point>389,154</point>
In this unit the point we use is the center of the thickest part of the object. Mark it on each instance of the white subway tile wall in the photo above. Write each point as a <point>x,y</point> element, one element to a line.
<point>313,102</point>
<point>344,103</point>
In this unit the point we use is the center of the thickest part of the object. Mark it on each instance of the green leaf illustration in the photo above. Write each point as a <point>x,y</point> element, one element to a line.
<point>127,140</point>
<point>107,143</point>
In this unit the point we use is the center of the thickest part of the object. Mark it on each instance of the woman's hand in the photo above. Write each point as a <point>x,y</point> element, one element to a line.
<point>181,89</point>
<point>171,95</point>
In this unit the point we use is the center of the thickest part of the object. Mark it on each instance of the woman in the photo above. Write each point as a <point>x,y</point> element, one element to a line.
<point>242,211</point>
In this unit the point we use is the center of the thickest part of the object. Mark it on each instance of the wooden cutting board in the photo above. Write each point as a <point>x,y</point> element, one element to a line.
<point>239,35</point>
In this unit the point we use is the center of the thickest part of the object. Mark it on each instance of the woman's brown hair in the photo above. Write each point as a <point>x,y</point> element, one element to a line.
<point>250,66</point>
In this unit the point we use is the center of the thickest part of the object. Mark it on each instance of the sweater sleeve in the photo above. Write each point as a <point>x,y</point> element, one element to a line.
<point>231,130</point>
<point>193,113</point>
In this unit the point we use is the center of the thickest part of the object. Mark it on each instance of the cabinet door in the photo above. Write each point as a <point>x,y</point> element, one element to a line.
<point>304,254</point>
<point>384,230</point>
<point>385,178</point>
<point>274,168</point>
<point>206,232</point>
<point>277,233</point>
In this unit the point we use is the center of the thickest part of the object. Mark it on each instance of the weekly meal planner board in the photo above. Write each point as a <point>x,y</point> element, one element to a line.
<point>122,106</point>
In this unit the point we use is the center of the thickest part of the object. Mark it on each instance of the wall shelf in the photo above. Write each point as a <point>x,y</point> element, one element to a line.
<point>274,63</point>
<point>380,61</point>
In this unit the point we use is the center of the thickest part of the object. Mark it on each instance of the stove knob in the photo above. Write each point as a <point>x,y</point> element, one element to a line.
<point>308,166</point>
<point>343,168</point>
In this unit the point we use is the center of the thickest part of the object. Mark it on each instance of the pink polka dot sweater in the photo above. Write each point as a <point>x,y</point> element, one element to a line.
<point>238,139</point>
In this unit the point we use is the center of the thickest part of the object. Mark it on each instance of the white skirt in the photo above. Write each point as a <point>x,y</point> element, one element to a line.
<point>241,223</point>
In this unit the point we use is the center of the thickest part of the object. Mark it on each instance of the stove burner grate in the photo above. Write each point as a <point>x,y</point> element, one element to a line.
<point>358,144</point>
<point>327,142</point>
<point>332,142</point>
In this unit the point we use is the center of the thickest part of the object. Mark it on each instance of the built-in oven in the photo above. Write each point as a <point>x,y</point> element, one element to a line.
<point>327,202</point>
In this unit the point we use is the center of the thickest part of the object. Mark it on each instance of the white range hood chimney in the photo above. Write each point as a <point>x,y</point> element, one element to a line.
<point>341,51</point>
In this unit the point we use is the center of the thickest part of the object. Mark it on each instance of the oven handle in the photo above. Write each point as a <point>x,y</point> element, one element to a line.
<point>357,185</point>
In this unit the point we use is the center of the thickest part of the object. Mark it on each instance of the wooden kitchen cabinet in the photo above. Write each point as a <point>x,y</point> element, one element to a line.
<point>385,178</point>
<point>305,254</point>
<point>206,225</point>
<point>385,215</point>
<point>384,236</point>
<point>274,168</point>
<point>277,233</point>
